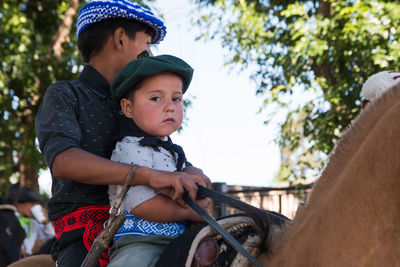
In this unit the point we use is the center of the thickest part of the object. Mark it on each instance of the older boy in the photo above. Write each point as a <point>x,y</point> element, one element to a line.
<point>76,124</point>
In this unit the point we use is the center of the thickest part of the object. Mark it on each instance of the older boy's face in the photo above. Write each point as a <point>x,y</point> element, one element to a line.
<point>158,104</point>
<point>135,47</point>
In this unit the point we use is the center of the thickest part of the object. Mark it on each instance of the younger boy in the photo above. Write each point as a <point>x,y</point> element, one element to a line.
<point>150,92</point>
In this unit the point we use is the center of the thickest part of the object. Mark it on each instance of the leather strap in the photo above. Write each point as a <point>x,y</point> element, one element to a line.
<point>213,223</point>
<point>259,216</point>
<point>115,209</point>
<point>111,226</point>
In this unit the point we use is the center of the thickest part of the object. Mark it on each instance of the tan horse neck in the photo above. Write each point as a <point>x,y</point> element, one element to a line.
<point>351,140</point>
<point>353,213</point>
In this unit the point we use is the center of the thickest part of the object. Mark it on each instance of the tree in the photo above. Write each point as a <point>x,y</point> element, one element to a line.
<point>37,48</point>
<point>322,48</point>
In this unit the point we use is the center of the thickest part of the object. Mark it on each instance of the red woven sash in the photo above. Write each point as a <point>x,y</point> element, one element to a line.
<point>91,218</point>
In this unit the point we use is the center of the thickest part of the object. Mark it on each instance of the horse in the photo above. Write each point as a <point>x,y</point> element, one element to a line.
<point>352,217</point>
<point>11,234</point>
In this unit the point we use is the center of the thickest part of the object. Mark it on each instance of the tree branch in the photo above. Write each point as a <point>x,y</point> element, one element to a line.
<point>62,35</point>
<point>323,69</point>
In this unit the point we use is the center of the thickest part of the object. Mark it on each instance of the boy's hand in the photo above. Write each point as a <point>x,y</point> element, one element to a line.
<point>198,176</point>
<point>172,184</point>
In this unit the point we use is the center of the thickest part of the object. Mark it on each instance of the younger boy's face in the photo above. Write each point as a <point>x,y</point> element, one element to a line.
<point>157,106</point>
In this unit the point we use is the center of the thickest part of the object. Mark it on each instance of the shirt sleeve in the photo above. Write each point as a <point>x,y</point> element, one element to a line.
<point>56,125</point>
<point>131,152</point>
<point>46,232</point>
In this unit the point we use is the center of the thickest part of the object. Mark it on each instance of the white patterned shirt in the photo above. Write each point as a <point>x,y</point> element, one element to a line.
<point>129,150</point>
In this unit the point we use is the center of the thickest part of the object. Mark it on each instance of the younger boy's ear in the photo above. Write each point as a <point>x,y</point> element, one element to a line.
<point>127,107</point>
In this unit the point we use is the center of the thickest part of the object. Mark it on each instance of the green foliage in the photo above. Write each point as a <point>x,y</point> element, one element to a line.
<point>28,68</point>
<point>325,48</point>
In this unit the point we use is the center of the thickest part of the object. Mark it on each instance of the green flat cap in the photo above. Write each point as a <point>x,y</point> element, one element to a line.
<point>141,68</point>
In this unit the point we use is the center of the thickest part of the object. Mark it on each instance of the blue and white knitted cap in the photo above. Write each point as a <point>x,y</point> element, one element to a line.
<point>98,10</point>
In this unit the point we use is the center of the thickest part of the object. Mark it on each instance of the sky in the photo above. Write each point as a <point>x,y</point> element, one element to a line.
<point>225,134</point>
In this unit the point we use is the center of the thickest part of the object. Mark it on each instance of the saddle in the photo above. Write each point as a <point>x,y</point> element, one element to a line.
<point>202,245</point>
<point>234,240</point>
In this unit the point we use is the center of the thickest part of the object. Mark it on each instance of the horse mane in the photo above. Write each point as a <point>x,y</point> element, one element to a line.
<point>352,139</point>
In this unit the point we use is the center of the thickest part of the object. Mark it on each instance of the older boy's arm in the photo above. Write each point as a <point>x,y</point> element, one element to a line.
<point>80,166</point>
<point>162,209</point>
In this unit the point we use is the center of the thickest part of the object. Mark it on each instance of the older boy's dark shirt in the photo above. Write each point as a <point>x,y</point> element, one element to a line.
<point>77,114</point>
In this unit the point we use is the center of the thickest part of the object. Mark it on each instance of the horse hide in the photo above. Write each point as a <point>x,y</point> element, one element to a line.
<point>352,217</point>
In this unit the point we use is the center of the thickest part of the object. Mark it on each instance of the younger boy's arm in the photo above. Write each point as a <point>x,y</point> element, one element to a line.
<point>162,209</point>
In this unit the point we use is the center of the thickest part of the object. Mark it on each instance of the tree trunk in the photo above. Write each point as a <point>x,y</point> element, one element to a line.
<point>28,174</point>
<point>323,69</point>
<point>62,34</point>
<point>324,8</point>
